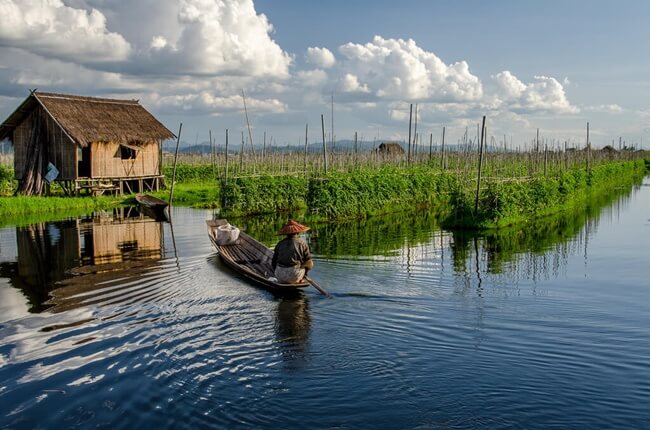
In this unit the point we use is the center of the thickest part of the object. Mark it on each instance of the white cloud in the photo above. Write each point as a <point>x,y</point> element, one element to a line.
<point>397,69</point>
<point>320,57</point>
<point>218,37</point>
<point>544,94</point>
<point>508,85</point>
<point>207,103</point>
<point>350,84</point>
<point>605,108</point>
<point>51,29</point>
<point>312,78</point>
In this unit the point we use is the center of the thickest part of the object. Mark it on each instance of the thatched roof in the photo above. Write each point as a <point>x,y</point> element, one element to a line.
<point>92,119</point>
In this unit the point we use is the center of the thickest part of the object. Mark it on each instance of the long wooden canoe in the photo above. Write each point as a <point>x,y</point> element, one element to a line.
<point>251,259</point>
<point>150,201</point>
<point>153,206</point>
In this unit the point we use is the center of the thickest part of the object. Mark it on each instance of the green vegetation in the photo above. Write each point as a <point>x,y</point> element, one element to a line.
<point>188,173</point>
<point>362,192</point>
<point>369,192</point>
<point>7,183</point>
<point>16,208</point>
<point>508,202</point>
<point>516,187</point>
<point>265,194</point>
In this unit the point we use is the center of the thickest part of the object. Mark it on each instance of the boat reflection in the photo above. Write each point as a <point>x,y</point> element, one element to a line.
<point>59,261</point>
<point>292,327</point>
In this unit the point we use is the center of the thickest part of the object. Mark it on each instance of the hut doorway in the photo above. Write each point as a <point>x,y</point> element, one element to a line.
<point>83,162</point>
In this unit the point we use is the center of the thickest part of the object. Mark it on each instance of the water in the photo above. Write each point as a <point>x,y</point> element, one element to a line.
<point>116,321</point>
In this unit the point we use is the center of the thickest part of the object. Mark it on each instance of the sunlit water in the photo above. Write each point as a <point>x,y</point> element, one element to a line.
<point>117,321</point>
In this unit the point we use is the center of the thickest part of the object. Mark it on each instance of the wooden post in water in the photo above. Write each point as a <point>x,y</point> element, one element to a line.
<point>171,190</point>
<point>408,157</point>
<point>322,122</point>
<point>480,162</point>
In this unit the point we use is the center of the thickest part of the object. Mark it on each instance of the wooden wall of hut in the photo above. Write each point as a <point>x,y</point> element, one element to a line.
<point>61,151</point>
<point>107,160</point>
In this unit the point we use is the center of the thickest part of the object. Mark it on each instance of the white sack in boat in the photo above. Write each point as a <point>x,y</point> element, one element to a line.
<point>227,235</point>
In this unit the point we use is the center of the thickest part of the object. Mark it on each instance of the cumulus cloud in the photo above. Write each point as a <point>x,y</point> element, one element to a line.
<point>350,84</point>
<point>397,69</point>
<point>544,94</point>
<point>320,57</point>
<point>51,29</point>
<point>219,37</point>
<point>207,103</point>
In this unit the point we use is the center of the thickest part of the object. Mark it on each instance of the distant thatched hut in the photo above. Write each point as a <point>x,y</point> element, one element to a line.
<point>390,148</point>
<point>85,143</point>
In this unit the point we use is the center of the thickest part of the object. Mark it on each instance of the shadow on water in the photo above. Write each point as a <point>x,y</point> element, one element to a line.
<point>60,263</point>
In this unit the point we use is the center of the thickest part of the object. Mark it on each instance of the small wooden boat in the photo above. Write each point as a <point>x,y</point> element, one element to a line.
<point>251,259</point>
<point>153,205</point>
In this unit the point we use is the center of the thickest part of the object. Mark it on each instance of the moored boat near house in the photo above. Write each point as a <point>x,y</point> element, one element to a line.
<point>85,143</point>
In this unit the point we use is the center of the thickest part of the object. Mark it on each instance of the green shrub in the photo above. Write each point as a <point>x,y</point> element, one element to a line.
<point>264,194</point>
<point>367,192</point>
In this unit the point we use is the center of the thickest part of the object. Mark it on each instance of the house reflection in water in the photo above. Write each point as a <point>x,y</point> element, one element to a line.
<point>60,259</point>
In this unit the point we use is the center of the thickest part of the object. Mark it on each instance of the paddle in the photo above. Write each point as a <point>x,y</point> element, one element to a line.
<point>318,287</point>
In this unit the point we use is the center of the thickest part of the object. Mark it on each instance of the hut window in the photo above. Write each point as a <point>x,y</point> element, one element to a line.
<point>127,153</point>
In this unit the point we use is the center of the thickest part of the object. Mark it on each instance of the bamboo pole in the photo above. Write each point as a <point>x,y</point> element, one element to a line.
<point>241,154</point>
<point>415,133</point>
<point>171,190</point>
<point>248,124</point>
<point>322,121</point>
<point>226,173</point>
<point>480,162</point>
<point>442,160</point>
<point>588,148</point>
<point>356,149</point>
<point>408,157</point>
<point>306,134</point>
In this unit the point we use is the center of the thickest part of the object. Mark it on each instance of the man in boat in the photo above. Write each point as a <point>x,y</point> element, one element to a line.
<point>291,258</point>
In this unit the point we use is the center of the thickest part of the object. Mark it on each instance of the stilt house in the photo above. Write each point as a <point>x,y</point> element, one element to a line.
<point>85,143</point>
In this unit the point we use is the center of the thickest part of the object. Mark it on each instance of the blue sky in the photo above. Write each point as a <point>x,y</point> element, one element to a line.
<point>525,64</point>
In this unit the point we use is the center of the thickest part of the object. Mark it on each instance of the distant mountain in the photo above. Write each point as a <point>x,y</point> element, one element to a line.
<point>340,146</point>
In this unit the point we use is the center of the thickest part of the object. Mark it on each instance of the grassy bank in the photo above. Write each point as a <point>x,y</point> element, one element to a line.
<point>504,203</point>
<point>15,209</point>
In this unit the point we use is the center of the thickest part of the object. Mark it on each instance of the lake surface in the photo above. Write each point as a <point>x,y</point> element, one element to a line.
<point>117,321</point>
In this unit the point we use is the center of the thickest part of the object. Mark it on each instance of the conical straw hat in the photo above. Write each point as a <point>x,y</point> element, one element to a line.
<point>293,227</point>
